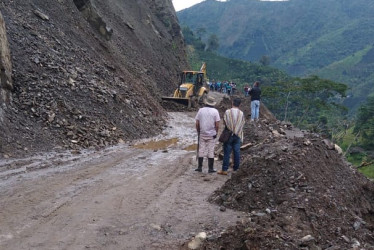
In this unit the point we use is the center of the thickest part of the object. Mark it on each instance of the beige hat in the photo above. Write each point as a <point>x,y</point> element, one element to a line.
<point>210,101</point>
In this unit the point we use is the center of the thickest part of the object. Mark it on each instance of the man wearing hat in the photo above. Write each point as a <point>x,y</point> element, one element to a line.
<point>207,123</point>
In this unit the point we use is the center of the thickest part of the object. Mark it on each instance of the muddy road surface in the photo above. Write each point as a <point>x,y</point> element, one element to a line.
<point>142,195</point>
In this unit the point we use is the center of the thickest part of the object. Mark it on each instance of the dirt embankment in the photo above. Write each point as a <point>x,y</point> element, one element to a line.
<point>297,191</point>
<point>88,80</point>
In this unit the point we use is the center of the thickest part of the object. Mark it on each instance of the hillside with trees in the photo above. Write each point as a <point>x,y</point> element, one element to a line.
<point>310,102</point>
<point>331,39</point>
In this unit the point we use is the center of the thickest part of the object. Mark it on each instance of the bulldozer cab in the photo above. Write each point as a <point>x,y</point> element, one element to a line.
<point>193,77</point>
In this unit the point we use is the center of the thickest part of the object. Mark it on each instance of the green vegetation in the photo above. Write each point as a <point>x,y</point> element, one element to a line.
<point>345,137</point>
<point>213,43</point>
<point>365,124</point>
<point>368,171</point>
<point>352,70</point>
<point>358,159</point>
<point>332,39</point>
<point>222,68</point>
<point>309,102</point>
<point>356,141</point>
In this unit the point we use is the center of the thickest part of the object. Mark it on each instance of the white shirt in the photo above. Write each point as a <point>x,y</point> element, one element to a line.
<point>207,118</point>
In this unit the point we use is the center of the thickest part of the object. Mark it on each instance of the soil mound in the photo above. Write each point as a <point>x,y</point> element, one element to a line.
<point>172,106</point>
<point>245,106</point>
<point>298,192</point>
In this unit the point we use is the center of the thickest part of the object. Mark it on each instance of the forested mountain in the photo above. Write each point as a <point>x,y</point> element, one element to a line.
<point>333,39</point>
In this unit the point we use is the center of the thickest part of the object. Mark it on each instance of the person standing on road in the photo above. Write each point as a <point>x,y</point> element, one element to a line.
<point>246,89</point>
<point>207,123</point>
<point>229,88</point>
<point>234,121</point>
<point>255,94</point>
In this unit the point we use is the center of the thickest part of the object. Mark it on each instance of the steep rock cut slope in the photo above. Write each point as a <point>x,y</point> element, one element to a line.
<point>5,77</point>
<point>5,64</point>
<point>88,73</point>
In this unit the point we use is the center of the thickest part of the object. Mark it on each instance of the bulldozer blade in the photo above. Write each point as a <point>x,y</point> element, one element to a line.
<point>184,101</point>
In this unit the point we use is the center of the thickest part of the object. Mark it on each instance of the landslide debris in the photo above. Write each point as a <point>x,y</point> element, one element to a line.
<point>173,106</point>
<point>76,88</point>
<point>297,192</point>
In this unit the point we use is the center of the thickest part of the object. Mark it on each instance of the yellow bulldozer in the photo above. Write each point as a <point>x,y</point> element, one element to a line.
<point>191,89</point>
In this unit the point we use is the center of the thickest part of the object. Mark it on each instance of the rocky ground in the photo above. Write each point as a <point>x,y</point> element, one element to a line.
<point>143,195</point>
<point>297,191</point>
<point>293,191</point>
<point>73,176</point>
<point>77,88</point>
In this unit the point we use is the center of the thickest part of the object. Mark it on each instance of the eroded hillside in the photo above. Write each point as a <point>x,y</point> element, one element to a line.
<point>87,73</point>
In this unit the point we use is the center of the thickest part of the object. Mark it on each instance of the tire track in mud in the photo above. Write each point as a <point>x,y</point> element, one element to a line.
<point>40,199</point>
<point>119,198</point>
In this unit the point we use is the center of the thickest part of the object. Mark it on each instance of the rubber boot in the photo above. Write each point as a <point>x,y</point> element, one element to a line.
<point>210,165</point>
<point>200,165</point>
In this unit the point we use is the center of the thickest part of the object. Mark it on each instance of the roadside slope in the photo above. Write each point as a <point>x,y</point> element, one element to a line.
<point>88,80</point>
<point>298,191</point>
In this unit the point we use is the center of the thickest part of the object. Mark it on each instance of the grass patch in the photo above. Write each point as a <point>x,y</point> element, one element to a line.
<point>357,159</point>
<point>344,139</point>
<point>368,171</point>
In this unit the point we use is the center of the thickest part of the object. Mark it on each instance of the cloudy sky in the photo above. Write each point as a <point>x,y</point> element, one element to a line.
<point>182,4</point>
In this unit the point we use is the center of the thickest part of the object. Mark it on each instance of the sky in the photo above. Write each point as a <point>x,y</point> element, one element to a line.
<point>183,4</point>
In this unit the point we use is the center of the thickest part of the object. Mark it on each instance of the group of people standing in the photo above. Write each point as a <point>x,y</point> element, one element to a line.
<point>207,125</point>
<point>225,87</point>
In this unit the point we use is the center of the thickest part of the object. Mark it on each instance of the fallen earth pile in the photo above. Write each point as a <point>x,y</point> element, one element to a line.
<point>87,74</point>
<point>298,192</point>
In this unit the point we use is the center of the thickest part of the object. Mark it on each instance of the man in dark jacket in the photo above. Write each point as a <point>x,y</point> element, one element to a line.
<point>255,94</point>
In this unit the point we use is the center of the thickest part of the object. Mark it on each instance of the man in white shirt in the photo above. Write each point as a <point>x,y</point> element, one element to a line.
<point>207,123</point>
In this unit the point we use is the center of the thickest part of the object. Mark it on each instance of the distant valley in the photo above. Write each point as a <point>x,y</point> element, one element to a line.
<point>332,39</point>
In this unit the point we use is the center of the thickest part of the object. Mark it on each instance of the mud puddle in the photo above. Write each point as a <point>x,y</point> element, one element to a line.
<point>180,134</point>
<point>192,147</point>
<point>157,145</point>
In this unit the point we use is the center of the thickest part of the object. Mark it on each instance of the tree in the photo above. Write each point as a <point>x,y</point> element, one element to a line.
<point>365,123</point>
<point>311,102</point>
<point>213,43</point>
<point>200,32</point>
<point>265,60</point>
<point>188,35</point>
<point>190,38</point>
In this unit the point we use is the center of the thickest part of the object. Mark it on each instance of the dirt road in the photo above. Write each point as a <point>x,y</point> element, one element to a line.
<point>143,195</point>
